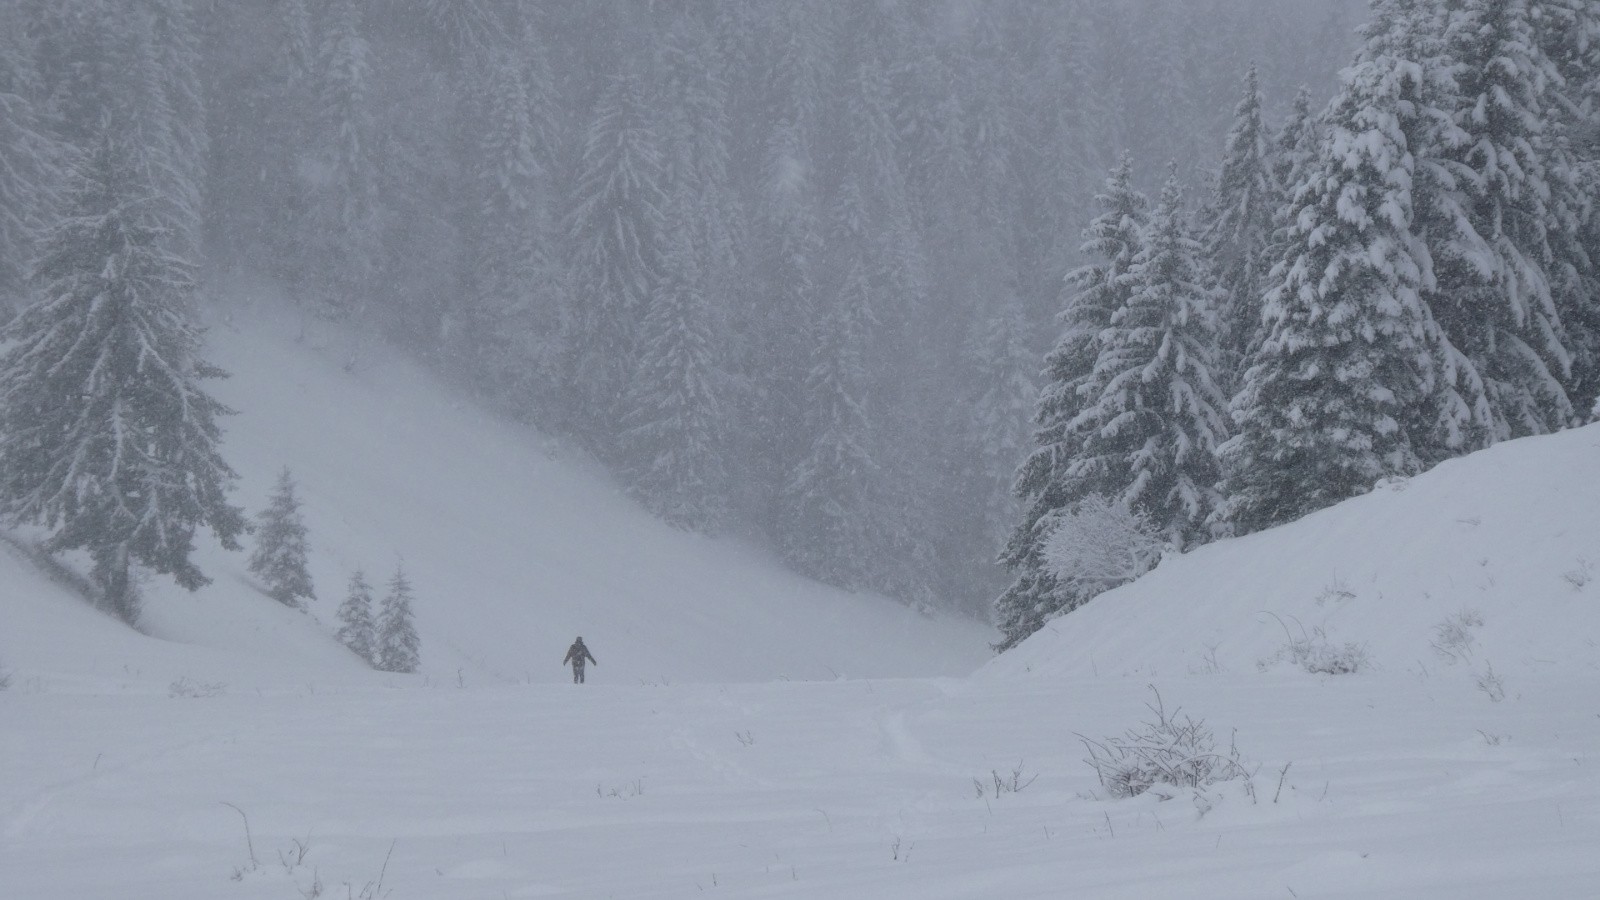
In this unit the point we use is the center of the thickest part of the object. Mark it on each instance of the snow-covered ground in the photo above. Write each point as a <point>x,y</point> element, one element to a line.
<point>1461,761</point>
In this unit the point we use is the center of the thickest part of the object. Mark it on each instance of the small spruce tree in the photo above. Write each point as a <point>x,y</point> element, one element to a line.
<point>356,629</point>
<point>280,556</point>
<point>398,647</point>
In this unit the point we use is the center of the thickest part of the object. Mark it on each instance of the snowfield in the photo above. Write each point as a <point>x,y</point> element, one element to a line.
<point>751,734</point>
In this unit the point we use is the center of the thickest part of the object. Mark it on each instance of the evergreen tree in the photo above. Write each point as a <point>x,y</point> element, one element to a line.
<point>830,497</point>
<point>296,58</point>
<point>1293,157</point>
<point>344,215</point>
<point>1568,31</point>
<point>777,327</point>
<point>472,31</point>
<point>1496,296</point>
<point>616,228</point>
<point>175,53</point>
<point>105,435</point>
<point>1094,293</point>
<point>30,161</point>
<point>1154,414</point>
<point>398,646</point>
<point>356,627</point>
<point>509,318</point>
<point>997,429</point>
<point>1339,391</point>
<point>672,436</point>
<point>1239,225</point>
<point>279,559</point>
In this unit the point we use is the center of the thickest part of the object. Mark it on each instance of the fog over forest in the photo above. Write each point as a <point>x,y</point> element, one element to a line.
<point>790,269</point>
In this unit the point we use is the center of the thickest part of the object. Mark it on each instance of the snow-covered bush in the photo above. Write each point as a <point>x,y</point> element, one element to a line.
<point>1100,544</point>
<point>1177,752</point>
<point>1315,653</point>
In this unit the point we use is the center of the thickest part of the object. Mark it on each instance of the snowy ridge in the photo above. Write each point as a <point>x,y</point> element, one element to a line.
<point>513,549</point>
<point>1507,536</point>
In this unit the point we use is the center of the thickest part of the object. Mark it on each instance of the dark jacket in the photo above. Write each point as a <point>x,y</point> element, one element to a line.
<point>577,653</point>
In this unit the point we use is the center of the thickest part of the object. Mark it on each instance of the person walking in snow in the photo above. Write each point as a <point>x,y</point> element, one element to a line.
<point>576,654</point>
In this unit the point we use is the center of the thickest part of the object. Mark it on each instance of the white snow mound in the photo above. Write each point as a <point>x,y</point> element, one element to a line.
<point>1490,560</point>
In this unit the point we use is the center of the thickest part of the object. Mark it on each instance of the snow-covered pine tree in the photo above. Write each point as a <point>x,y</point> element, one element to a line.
<point>176,54</point>
<point>696,146</point>
<point>830,496</point>
<point>471,29</point>
<point>616,229</point>
<point>996,433</point>
<point>1349,361</point>
<point>357,630</point>
<point>1569,33</point>
<point>279,559</point>
<point>344,215</point>
<point>672,426</point>
<point>1294,154</point>
<point>1093,293</point>
<point>105,435</point>
<point>1237,227</point>
<point>296,58</point>
<point>30,161</point>
<point>506,318</point>
<point>1154,414</point>
<point>1496,297</point>
<point>398,648</point>
<point>769,399</point>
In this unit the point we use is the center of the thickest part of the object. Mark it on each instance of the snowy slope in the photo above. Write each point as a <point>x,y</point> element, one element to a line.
<point>512,550</point>
<point>1509,536</point>
<point>1408,779</point>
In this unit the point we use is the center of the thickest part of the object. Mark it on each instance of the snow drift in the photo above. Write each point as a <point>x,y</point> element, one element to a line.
<point>1490,560</point>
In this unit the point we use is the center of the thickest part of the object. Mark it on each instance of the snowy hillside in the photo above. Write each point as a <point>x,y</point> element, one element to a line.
<point>1460,762</point>
<point>1493,557</point>
<point>513,548</point>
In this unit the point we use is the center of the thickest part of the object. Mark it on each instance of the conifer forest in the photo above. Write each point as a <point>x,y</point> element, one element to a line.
<point>897,289</point>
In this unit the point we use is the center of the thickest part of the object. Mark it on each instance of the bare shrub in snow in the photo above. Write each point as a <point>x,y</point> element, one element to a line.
<point>1453,638</point>
<point>184,686</point>
<point>1012,782</point>
<point>1171,751</point>
<point>5,678</point>
<point>1208,664</point>
<point>1315,653</point>
<point>1335,590</point>
<point>1489,682</point>
<point>1099,544</point>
